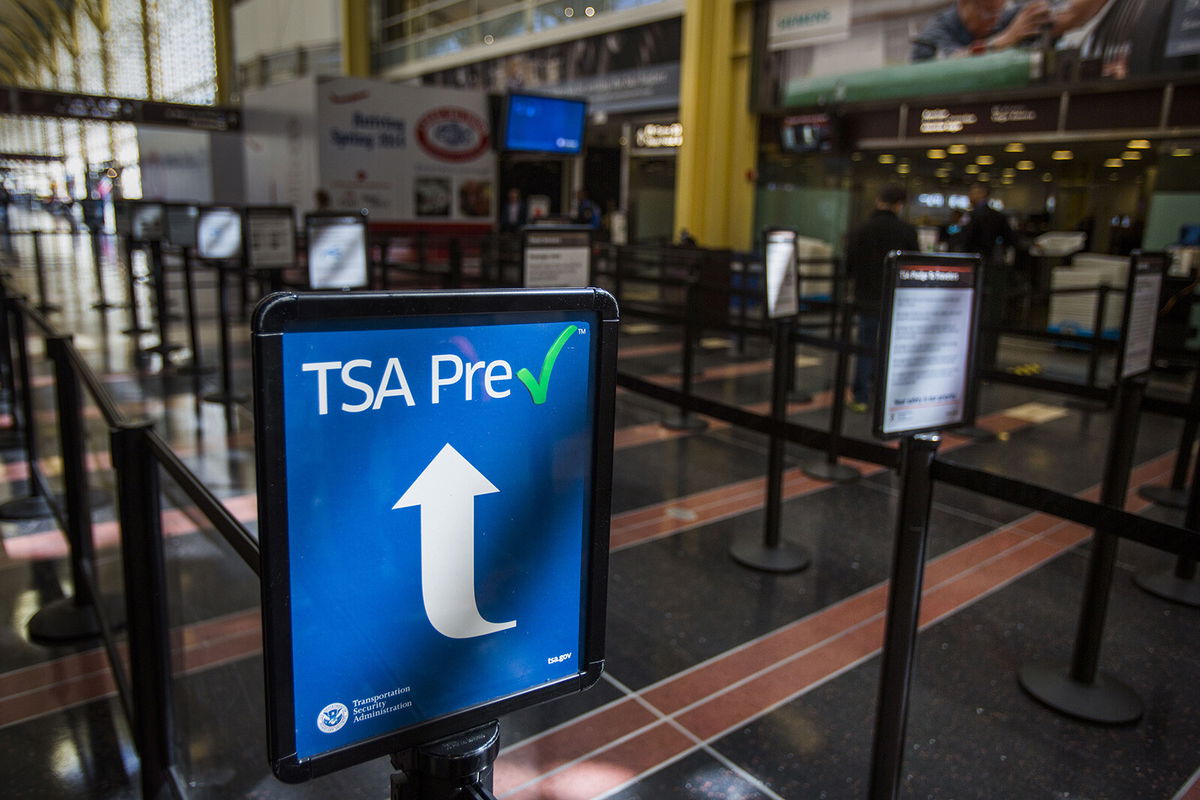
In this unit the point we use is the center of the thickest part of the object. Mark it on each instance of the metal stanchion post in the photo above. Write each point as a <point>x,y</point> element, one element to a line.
<point>1085,692</point>
<point>1176,494</point>
<point>135,323</point>
<point>145,602</point>
<point>226,394</point>
<point>769,552</point>
<point>158,273</point>
<point>196,366</point>
<point>11,436</point>
<point>72,619</point>
<point>903,614</point>
<point>1180,586</point>
<point>828,468</point>
<point>458,767</point>
<point>39,266</point>
<point>102,303</point>
<point>35,505</point>
<point>683,419</point>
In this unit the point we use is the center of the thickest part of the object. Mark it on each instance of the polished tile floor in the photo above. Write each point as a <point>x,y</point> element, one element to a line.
<point>722,682</point>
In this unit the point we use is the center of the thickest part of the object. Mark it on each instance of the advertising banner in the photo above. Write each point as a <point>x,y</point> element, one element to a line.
<point>894,51</point>
<point>406,152</point>
<point>431,514</point>
<point>927,337</point>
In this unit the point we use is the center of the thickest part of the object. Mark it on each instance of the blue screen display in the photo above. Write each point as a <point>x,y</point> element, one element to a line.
<point>438,515</point>
<point>544,124</point>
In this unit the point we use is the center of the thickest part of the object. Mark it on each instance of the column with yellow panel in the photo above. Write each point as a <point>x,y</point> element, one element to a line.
<point>356,38</point>
<point>714,184</point>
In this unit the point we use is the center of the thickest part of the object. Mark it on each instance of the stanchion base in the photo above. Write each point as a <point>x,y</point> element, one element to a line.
<point>106,306</point>
<point>1165,496</point>
<point>1107,701</point>
<point>22,508</point>
<point>63,621</point>
<point>749,551</point>
<point>47,308</point>
<point>136,331</point>
<point>1170,587</point>
<point>683,422</point>
<point>163,349</point>
<point>837,473</point>
<point>226,399</point>
<point>973,432</point>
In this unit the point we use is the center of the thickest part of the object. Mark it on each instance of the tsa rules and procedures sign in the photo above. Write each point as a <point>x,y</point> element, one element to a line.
<point>435,492</point>
<point>926,343</point>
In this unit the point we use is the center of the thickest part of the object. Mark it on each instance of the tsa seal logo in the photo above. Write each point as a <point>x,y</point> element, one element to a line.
<point>452,134</point>
<point>333,717</point>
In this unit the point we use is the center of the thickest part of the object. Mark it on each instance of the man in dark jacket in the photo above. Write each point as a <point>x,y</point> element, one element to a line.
<point>866,251</point>
<point>988,233</point>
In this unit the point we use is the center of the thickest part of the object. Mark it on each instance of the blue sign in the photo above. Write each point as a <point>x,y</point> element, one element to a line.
<point>439,512</point>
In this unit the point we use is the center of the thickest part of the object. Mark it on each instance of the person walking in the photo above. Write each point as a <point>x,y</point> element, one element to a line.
<point>867,248</point>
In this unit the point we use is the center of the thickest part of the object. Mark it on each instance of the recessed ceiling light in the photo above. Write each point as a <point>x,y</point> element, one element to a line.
<point>1180,152</point>
<point>1114,162</point>
<point>887,158</point>
<point>971,169</point>
<point>936,153</point>
<point>1025,165</point>
<point>1014,147</point>
<point>856,157</point>
<point>984,176</point>
<point>1131,155</point>
<point>1062,155</point>
<point>1138,144</point>
<point>1047,177</point>
<point>956,149</point>
<point>903,169</point>
<point>985,160</point>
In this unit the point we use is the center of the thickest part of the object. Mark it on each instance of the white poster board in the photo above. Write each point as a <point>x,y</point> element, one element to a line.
<point>270,237</point>
<point>782,300</point>
<point>926,341</point>
<point>557,258</point>
<point>1141,313</point>
<point>337,251</point>
<point>219,233</point>
<point>147,223</point>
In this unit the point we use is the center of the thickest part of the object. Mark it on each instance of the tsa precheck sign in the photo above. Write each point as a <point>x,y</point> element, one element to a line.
<point>437,503</point>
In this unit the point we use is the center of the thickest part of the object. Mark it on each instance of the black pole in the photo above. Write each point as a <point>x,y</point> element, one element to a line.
<point>1180,586</point>
<point>73,619</point>
<point>682,419</point>
<point>1097,334</point>
<point>35,505</point>
<point>10,436</point>
<point>828,468</point>
<point>1086,693</point>
<point>458,767</point>
<point>226,394</point>
<point>138,495</point>
<point>385,266</point>
<point>102,303</point>
<point>135,323</point>
<point>39,266</point>
<point>196,366</point>
<point>903,614</point>
<point>162,315</point>
<point>769,552</point>
<point>1176,494</point>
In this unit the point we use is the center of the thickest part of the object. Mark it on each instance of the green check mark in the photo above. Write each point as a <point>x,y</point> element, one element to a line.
<point>537,389</point>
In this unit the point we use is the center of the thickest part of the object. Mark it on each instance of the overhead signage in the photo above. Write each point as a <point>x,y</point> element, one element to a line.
<point>927,339</point>
<point>979,118</point>
<point>782,299</point>
<point>1183,37</point>
<point>41,102</point>
<point>181,224</point>
<point>1140,320</point>
<point>557,256</point>
<point>219,233</point>
<point>794,23</point>
<point>337,250</point>
<point>433,511</point>
<point>270,237</point>
<point>147,224</point>
<point>652,136</point>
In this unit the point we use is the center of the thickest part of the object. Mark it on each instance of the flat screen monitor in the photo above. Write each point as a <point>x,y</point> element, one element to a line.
<point>219,233</point>
<point>337,250</point>
<point>534,124</point>
<point>808,133</point>
<point>1189,235</point>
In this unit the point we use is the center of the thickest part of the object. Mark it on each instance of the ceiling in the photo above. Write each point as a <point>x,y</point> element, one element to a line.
<point>27,27</point>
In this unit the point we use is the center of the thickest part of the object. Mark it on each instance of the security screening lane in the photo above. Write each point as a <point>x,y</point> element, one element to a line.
<point>720,681</point>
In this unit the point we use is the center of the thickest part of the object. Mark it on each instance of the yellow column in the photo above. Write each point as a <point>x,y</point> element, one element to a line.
<point>222,12</point>
<point>714,192</point>
<point>356,38</point>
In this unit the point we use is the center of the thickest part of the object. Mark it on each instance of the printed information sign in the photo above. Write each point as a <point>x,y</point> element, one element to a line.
<point>148,223</point>
<point>927,338</point>
<point>219,233</point>
<point>1142,293</point>
<point>557,257</point>
<point>337,250</point>
<point>435,472</point>
<point>181,224</point>
<point>782,300</point>
<point>270,237</point>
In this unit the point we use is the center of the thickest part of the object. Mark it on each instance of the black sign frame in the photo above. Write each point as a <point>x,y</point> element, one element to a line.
<point>766,273</point>
<point>195,215</point>
<point>135,206</point>
<point>361,216</point>
<point>1140,263</point>
<point>249,212</point>
<point>281,312</point>
<point>534,230</point>
<point>897,260</point>
<point>201,211</point>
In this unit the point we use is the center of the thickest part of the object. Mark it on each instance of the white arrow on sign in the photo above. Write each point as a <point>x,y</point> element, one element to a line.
<point>446,490</point>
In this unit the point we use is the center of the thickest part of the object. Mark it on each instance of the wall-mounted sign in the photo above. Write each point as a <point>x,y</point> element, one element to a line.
<point>977,118</point>
<point>927,339</point>
<point>433,515</point>
<point>794,23</point>
<point>653,136</point>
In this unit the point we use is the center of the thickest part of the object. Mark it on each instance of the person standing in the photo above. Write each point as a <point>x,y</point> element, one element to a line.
<point>867,248</point>
<point>988,233</point>
<point>513,214</point>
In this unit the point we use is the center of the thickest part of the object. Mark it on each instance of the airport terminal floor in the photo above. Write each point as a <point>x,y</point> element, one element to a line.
<point>721,681</point>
